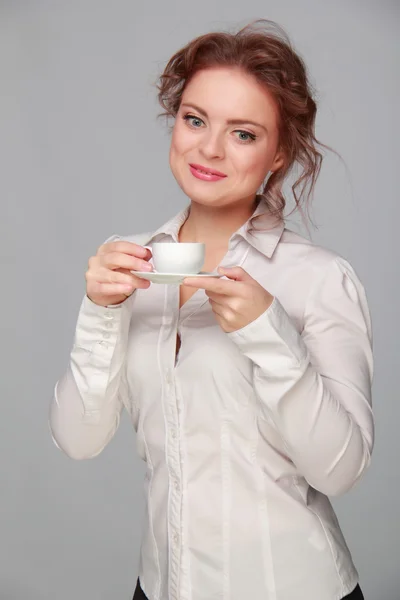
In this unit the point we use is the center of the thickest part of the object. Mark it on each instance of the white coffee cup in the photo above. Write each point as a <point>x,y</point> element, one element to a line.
<point>178,257</point>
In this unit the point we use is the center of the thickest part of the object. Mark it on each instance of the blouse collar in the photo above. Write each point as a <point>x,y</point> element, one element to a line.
<point>262,230</point>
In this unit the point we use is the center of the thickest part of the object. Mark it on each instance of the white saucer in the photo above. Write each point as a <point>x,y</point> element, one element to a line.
<point>171,277</point>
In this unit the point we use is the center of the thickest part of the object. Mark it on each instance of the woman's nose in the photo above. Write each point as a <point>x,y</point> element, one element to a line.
<point>213,146</point>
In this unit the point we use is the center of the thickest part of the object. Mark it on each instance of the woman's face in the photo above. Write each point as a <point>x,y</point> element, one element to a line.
<point>244,151</point>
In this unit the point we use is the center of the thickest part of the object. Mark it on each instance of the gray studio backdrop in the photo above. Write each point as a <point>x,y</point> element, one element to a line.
<point>83,157</point>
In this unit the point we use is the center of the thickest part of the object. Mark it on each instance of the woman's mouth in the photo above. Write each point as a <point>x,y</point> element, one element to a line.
<point>202,173</point>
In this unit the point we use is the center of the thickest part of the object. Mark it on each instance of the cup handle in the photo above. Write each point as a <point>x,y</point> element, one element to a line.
<point>149,248</point>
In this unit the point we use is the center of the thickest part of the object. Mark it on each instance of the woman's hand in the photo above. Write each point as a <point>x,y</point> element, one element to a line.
<point>108,278</point>
<point>237,302</point>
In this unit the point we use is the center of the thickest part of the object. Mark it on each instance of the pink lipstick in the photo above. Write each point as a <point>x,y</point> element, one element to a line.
<point>205,173</point>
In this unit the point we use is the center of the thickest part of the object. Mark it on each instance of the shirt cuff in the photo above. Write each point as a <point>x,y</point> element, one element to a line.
<point>95,306</point>
<point>98,327</point>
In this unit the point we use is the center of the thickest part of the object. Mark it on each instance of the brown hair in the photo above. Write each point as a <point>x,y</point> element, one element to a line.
<point>266,53</point>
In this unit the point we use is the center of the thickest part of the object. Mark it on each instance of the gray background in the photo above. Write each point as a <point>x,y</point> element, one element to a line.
<point>83,157</point>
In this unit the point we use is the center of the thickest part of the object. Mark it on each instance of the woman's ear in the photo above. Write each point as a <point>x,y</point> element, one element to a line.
<point>279,161</point>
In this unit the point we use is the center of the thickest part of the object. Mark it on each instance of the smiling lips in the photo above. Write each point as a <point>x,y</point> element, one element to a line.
<point>206,170</point>
<point>205,173</point>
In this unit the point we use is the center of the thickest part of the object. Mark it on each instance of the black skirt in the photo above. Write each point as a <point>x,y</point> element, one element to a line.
<point>356,594</point>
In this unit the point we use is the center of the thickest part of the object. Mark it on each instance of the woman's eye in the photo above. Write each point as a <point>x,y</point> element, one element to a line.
<point>249,137</point>
<point>188,117</point>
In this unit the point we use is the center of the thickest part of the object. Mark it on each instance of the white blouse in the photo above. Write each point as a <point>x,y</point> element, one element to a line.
<point>245,434</point>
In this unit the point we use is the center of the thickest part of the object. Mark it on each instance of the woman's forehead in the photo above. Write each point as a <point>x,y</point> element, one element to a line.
<point>230,95</point>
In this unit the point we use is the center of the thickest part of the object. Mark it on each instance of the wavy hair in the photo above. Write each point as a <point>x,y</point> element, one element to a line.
<point>263,50</point>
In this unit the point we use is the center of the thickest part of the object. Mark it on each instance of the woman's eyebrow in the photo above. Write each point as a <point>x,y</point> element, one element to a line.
<point>230,122</point>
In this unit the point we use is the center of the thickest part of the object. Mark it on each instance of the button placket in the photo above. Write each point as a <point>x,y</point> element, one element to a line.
<point>173,452</point>
<point>174,469</point>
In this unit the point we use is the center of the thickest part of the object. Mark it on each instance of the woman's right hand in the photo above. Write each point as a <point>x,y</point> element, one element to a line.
<point>108,278</point>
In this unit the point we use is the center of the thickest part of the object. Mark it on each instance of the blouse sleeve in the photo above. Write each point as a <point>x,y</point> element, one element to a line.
<point>88,398</point>
<point>315,386</point>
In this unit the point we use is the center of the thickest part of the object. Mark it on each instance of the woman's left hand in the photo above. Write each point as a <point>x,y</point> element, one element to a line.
<point>236,302</point>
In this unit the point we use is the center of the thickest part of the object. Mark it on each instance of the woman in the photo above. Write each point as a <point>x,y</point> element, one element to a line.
<point>250,393</point>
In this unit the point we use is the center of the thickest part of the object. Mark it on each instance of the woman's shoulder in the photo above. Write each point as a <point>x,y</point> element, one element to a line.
<point>311,253</point>
<point>317,263</point>
<point>329,278</point>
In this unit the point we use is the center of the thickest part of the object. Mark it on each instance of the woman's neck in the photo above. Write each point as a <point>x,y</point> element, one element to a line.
<point>214,226</point>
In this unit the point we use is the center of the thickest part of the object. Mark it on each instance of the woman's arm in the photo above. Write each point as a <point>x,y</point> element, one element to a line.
<point>88,398</point>
<point>316,387</point>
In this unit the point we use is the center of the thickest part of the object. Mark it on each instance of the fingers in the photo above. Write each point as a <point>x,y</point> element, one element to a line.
<point>112,282</point>
<point>118,260</point>
<point>125,248</point>
<point>216,297</point>
<point>217,286</point>
<point>235,273</point>
<point>108,276</point>
<point>111,289</point>
<point>228,304</point>
<point>218,309</point>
